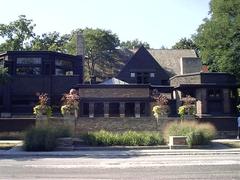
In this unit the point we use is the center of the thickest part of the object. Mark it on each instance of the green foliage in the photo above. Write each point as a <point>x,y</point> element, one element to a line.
<point>70,103</point>
<point>186,110</point>
<point>42,108</point>
<point>99,47</point>
<point>185,43</point>
<point>218,38</point>
<point>17,34</point>
<point>52,41</point>
<point>134,44</point>
<point>4,76</point>
<point>129,138</point>
<point>197,133</point>
<point>43,138</point>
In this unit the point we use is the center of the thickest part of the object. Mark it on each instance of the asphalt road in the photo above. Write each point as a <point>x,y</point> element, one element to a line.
<point>212,166</point>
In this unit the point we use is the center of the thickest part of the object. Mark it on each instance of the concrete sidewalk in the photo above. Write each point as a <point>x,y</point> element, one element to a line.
<point>123,151</point>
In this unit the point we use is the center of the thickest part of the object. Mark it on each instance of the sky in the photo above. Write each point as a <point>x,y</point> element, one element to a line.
<point>158,22</point>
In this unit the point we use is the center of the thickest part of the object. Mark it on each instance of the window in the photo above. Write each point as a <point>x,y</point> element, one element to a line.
<point>129,109</point>
<point>114,109</point>
<point>143,78</point>
<point>132,74</point>
<point>28,70</point>
<point>152,75</point>
<point>63,67</point>
<point>29,61</point>
<point>85,109</point>
<point>28,66</point>
<point>98,109</point>
<point>214,93</point>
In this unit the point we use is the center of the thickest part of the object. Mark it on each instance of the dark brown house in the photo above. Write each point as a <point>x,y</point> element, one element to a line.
<point>174,73</point>
<point>37,71</point>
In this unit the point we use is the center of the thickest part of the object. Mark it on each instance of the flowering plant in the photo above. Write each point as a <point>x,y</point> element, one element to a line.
<point>188,107</point>
<point>70,103</point>
<point>42,108</point>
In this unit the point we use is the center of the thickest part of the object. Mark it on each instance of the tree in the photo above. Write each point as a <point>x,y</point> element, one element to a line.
<point>52,41</point>
<point>134,44</point>
<point>4,76</point>
<point>99,47</point>
<point>218,38</point>
<point>16,34</point>
<point>185,43</point>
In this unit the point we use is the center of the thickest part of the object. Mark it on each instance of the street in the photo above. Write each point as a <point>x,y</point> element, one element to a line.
<point>209,166</point>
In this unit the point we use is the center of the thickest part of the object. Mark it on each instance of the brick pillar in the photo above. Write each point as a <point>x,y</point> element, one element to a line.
<point>177,96</point>
<point>91,109</point>
<point>122,109</point>
<point>226,101</point>
<point>201,104</point>
<point>106,109</point>
<point>137,109</point>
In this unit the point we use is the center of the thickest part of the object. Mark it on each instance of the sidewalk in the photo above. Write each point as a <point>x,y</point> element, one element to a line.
<point>121,151</point>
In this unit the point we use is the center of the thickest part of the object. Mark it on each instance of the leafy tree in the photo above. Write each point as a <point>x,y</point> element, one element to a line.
<point>99,47</point>
<point>218,38</point>
<point>52,41</point>
<point>134,44</point>
<point>185,43</point>
<point>4,76</point>
<point>16,34</point>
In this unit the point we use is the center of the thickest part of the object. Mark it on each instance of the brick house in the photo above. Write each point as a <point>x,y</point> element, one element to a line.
<point>128,93</point>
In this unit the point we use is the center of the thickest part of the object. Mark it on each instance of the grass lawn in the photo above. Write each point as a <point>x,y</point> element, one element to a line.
<point>232,144</point>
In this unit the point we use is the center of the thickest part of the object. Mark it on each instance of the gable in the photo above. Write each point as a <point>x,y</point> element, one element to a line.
<point>143,62</point>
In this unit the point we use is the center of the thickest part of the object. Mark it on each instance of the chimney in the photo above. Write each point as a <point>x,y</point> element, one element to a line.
<point>80,45</point>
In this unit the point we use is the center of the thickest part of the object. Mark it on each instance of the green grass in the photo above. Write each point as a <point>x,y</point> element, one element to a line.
<point>197,133</point>
<point>128,138</point>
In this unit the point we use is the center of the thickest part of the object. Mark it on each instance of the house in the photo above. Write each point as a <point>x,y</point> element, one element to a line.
<point>128,93</point>
<point>37,71</point>
<point>173,73</point>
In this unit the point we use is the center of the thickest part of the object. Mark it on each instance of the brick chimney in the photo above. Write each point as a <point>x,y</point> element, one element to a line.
<point>80,45</point>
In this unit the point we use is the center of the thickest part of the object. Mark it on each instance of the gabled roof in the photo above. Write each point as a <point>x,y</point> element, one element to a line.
<point>113,81</point>
<point>169,59</point>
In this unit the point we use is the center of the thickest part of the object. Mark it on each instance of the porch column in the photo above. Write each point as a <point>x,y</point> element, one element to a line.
<point>201,104</point>
<point>106,109</point>
<point>122,109</point>
<point>137,109</point>
<point>226,101</point>
<point>91,109</point>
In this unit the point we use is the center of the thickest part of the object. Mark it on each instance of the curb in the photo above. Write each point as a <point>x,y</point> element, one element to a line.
<point>117,153</point>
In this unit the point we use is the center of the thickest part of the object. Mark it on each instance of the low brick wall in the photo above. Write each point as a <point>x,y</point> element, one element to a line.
<point>122,124</point>
<point>16,124</point>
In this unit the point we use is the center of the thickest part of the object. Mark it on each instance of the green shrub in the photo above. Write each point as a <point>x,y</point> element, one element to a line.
<point>197,133</point>
<point>129,138</point>
<point>43,138</point>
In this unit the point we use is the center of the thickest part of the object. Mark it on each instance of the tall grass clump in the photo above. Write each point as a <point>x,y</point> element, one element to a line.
<point>43,138</point>
<point>128,138</point>
<point>197,133</point>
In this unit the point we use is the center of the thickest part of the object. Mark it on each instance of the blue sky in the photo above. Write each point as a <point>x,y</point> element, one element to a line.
<point>158,22</point>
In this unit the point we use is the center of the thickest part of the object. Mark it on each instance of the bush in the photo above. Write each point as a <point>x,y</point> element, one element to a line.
<point>197,133</point>
<point>43,138</point>
<point>129,138</point>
